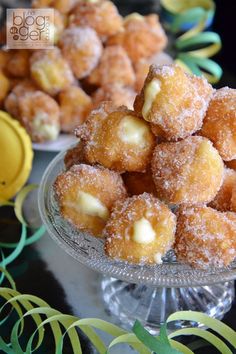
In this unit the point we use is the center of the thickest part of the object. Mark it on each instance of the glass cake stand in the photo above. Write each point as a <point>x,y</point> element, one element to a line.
<point>144,292</point>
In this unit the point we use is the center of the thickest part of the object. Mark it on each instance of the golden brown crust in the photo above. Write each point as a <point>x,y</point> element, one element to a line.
<point>118,94</point>
<point>102,16</point>
<point>50,71</point>
<point>119,230</point>
<point>37,111</point>
<point>82,48</point>
<point>114,68</point>
<point>222,200</point>
<point>104,143</point>
<point>141,38</point>
<point>143,65</point>
<point>4,58</point>
<point>179,107</point>
<point>107,186</point>
<point>39,114</point>
<point>205,237</point>
<point>18,65</point>
<point>188,171</point>
<point>220,122</point>
<point>19,90</point>
<point>75,105</point>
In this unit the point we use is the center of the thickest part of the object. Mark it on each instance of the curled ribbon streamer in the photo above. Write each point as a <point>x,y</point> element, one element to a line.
<point>142,342</point>
<point>211,338</point>
<point>20,197</point>
<point>219,327</point>
<point>188,15</point>
<point>33,238</point>
<point>24,240</point>
<point>194,47</point>
<point>200,39</point>
<point>17,250</point>
<point>213,70</point>
<point>8,276</point>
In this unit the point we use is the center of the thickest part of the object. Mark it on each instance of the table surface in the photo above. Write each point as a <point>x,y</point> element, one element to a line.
<point>47,271</point>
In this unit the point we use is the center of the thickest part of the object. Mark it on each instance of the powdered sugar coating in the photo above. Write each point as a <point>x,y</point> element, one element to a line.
<point>18,63</point>
<point>141,38</point>
<point>105,185</point>
<point>114,68</point>
<point>50,71</point>
<point>188,171</point>
<point>82,49</point>
<point>39,114</point>
<point>102,16</point>
<point>75,105</point>
<point>116,93</point>
<point>119,229</point>
<point>143,65</point>
<point>220,122</point>
<point>179,107</point>
<point>205,237</point>
<point>222,200</point>
<point>102,135</point>
<point>12,100</point>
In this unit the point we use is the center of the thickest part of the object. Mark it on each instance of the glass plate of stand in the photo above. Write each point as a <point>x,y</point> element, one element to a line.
<point>149,293</point>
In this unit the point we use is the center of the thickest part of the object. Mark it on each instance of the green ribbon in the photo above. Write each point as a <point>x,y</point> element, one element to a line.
<point>194,47</point>
<point>63,325</point>
<point>17,247</point>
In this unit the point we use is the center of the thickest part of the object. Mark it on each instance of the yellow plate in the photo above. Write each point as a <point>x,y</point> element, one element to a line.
<point>16,156</point>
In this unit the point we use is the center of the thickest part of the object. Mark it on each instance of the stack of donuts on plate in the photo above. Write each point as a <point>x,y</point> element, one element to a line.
<point>98,55</point>
<point>160,176</point>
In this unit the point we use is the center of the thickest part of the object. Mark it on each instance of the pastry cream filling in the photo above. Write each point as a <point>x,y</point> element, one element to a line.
<point>150,93</point>
<point>157,258</point>
<point>48,131</point>
<point>132,130</point>
<point>143,231</point>
<point>133,16</point>
<point>90,205</point>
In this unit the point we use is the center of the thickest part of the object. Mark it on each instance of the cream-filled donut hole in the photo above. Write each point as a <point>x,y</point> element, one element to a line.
<point>188,171</point>
<point>173,101</point>
<point>205,237</point>
<point>86,195</point>
<point>51,71</point>
<point>222,200</point>
<point>143,232</point>
<point>117,139</point>
<point>219,124</point>
<point>140,229</point>
<point>150,94</point>
<point>142,36</point>
<point>132,130</point>
<point>90,205</point>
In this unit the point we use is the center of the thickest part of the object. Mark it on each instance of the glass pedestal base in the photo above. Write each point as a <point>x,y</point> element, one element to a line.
<point>152,306</point>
